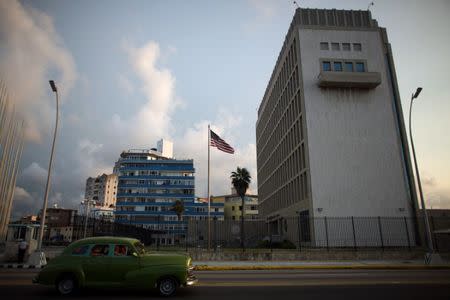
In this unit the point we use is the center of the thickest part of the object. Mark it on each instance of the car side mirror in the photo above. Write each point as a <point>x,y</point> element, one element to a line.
<point>135,254</point>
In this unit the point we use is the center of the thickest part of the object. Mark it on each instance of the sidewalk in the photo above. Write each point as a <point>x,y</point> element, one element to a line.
<point>299,265</point>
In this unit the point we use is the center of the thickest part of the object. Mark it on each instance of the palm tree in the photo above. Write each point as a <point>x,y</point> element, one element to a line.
<point>178,208</point>
<point>241,179</point>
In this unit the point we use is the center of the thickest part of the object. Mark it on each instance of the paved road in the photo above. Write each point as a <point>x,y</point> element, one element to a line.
<point>283,284</point>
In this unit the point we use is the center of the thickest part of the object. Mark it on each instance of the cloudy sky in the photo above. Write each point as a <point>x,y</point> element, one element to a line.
<point>132,72</point>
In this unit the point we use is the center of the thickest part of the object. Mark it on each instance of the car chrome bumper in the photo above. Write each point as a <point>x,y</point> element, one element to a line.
<point>191,280</point>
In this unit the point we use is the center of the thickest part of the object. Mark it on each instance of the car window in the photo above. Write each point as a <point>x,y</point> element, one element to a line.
<point>100,250</point>
<point>80,250</point>
<point>121,250</point>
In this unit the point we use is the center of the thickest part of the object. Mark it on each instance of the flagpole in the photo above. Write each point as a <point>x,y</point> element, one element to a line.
<point>209,197</point>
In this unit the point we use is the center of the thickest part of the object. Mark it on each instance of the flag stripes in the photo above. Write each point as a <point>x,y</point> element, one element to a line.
<point>220,144</point>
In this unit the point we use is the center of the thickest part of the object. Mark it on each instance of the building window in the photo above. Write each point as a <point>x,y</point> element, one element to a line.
<point>360,67</point>
<point>335,46</point>
<point>324,46</point>
<point>337,66</point>
<point>346,46</point>
<point>326,66</point>
<point>232,208</point>
<point>348,67</point>
<point>357,47</point>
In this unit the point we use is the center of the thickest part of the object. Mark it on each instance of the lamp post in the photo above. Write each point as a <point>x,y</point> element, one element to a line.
<point>47,187</point>
<point>422,201</point>
<point>38,257</point>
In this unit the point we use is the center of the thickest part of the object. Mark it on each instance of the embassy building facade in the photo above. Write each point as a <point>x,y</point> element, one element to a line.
<point>148,186</point>
<point>330,132</point>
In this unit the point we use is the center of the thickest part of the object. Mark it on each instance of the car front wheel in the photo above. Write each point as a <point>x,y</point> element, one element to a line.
<point>66,284</point>
<point>167,287</point>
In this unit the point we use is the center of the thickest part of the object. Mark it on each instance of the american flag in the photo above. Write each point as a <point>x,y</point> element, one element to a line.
<point>220,144</point>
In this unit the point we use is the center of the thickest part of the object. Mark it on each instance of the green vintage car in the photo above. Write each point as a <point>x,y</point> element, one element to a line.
<point>116,261</point>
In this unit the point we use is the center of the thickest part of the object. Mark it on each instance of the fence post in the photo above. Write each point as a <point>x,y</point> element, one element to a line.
<point>186,236</point>
<point>326,232</point>
<point>93,226</point>
<point>407,233</point>
<point>215,233</point>
<point>381,232</point>
<point>197,232</point>
<point>354,234</point>
<point>433,234</point>
<point>299,233</point>
<point>158,232</point>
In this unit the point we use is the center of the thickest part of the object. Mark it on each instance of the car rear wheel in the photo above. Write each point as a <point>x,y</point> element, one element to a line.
<point>67,284</point>
<point>167,286</point>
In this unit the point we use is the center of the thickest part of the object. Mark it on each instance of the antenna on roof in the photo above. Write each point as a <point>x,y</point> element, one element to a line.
<point>295,2</point>
<point>370,4</point>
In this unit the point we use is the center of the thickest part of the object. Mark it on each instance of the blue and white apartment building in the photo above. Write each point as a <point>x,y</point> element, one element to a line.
<point>150,181</point>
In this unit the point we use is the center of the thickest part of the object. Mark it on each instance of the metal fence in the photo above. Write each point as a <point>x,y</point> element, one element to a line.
<point>288,233</point>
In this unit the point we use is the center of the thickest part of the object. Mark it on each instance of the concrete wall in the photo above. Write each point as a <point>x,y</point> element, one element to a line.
<point>354,146</point>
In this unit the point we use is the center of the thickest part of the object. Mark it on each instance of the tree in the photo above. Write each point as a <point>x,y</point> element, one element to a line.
<point>178,208</point>
<point>241,179</point>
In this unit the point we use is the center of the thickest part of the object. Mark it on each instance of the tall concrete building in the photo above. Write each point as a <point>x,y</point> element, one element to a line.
<point>330,132</point>
<point>103,190</point>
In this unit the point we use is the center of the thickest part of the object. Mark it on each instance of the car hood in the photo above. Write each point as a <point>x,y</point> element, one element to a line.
<point>161,258</point>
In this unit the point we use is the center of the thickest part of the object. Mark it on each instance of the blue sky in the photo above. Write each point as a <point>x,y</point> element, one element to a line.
<point>131,72</point>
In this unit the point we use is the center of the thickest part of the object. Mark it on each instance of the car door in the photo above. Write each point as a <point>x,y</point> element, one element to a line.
<point>122,262</point>
<point>96,266</point>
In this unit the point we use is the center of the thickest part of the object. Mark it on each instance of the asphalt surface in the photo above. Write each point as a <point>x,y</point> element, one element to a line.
<point>280,284</point>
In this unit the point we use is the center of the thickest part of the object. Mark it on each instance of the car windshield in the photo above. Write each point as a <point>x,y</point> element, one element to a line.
<point>140,248</point>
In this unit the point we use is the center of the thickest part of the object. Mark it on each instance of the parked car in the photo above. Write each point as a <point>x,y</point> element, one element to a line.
<point>116,261</point>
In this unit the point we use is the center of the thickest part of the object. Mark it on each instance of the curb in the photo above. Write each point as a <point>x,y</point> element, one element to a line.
<point>20,266</point>
<point>321,267</point>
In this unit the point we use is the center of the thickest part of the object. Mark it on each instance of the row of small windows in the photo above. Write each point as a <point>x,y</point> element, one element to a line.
<point>156,191</point>
<point>157,182</point>
<point>283,79</point>
<point>288,169</point>
<point>146,200</point>
<point>338,46</point>
<point>284,113</point>
<point>294,191</point>
<point>343,66</point>
<point>278,147</point>
<point>154,173</point>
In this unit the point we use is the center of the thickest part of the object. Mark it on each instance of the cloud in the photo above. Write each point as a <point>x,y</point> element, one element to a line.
<point>125,84</point>
<point>89,157</point>
<point>23,203</point>
<point>35,173</point>
<point>193,144</point>
<point>153,119</point>
<point>31,52</point>
<point>265,12</point>
<point>264,8</point>
<point>429,181</point>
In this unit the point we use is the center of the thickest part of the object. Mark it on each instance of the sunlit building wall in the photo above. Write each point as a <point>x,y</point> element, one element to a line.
<point>330,133</point>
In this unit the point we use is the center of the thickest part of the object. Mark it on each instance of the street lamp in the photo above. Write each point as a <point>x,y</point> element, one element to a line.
<point>422,201</point>
<point>39,256</point>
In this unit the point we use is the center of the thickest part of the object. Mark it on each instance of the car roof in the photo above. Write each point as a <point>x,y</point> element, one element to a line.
<point>103,239</point>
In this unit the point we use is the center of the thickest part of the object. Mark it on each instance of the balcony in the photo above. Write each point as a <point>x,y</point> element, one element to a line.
<point>360,80</point>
